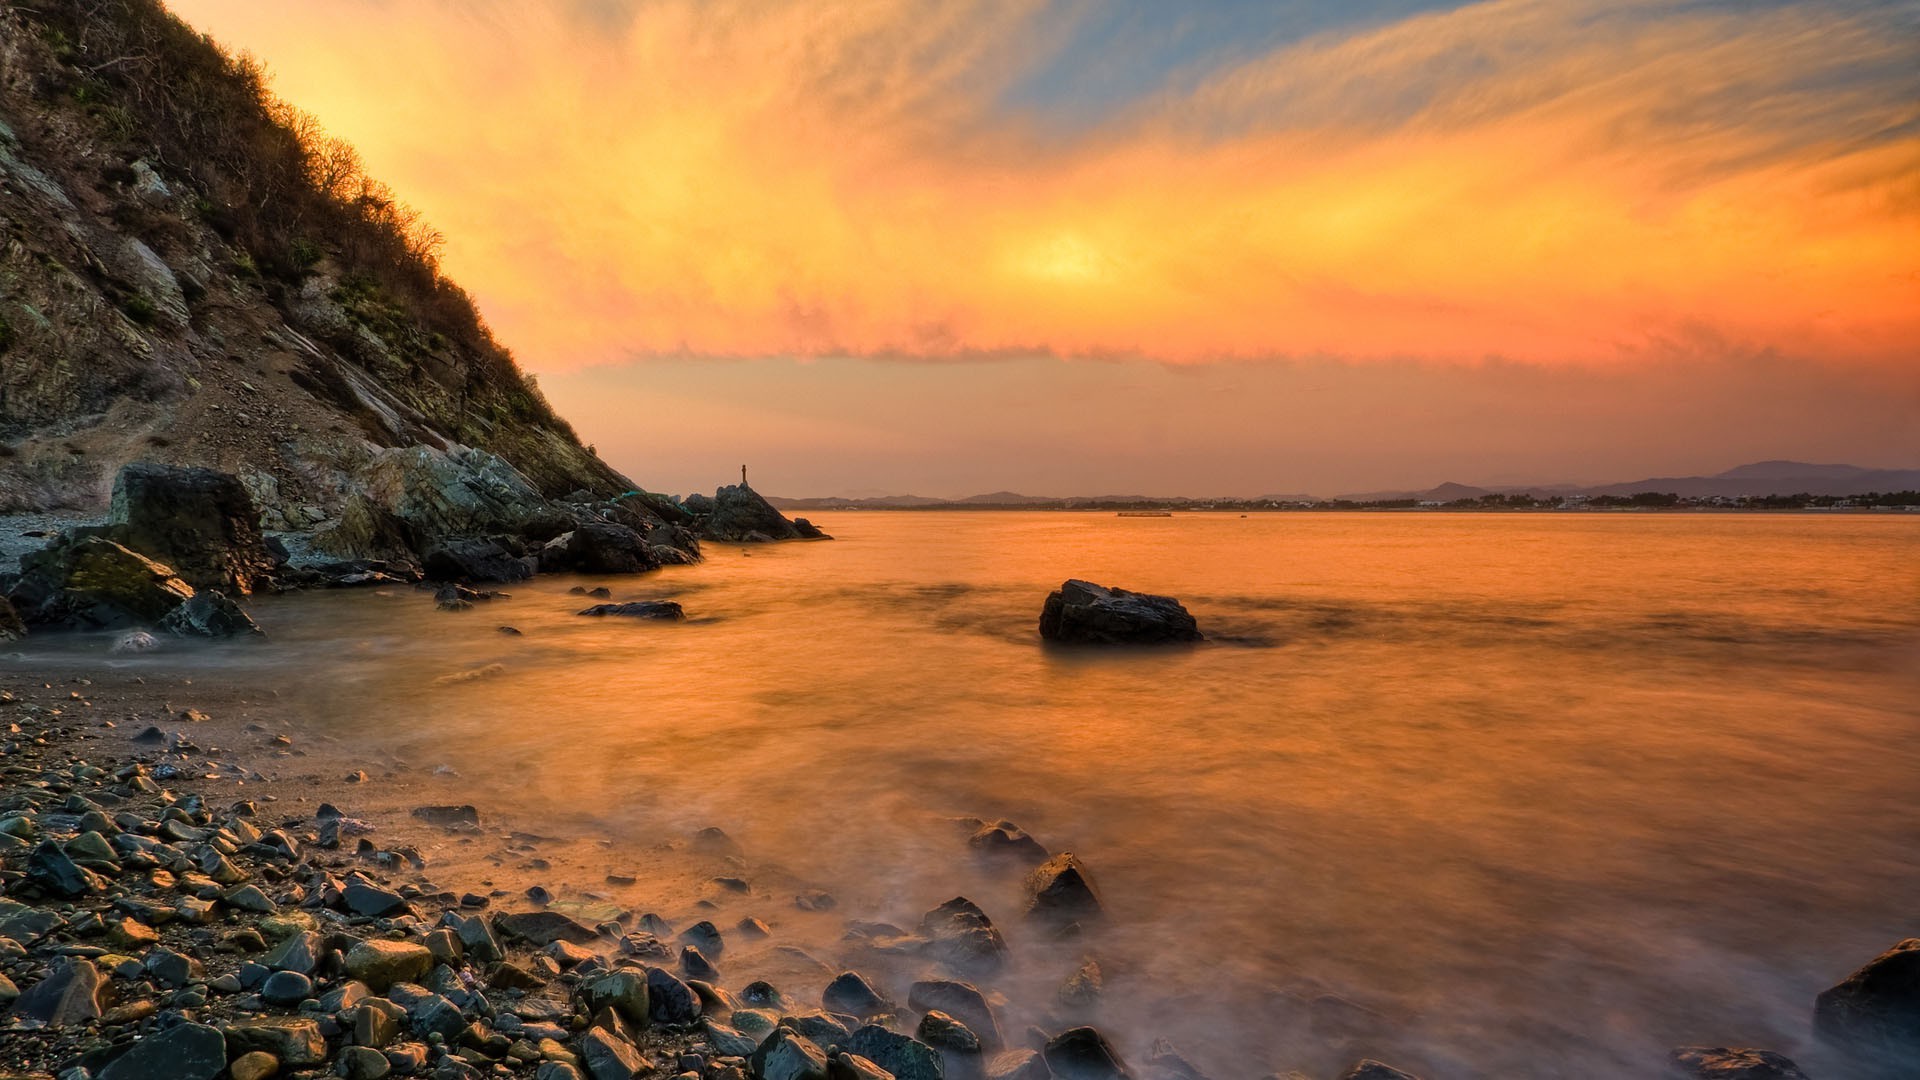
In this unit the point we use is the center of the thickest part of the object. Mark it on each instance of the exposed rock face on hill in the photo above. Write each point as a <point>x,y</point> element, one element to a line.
<point>185,278</point>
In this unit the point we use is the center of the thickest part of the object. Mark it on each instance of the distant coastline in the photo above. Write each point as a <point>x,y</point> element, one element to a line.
<point>1660,502</point>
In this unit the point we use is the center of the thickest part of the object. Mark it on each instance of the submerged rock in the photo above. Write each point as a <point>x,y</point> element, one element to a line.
<point>1722,1063</point>
<point>1875,1012</point>
<point>1062,891</point>
<point>209,614</point>
<point>1083,1053</point>
<point>639,609</point>
<point>961,936</point>
<point>1080,612</point>
<point>738,514</point>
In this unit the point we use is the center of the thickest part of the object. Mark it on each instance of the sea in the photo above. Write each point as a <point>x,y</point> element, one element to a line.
<point>1523,794</point>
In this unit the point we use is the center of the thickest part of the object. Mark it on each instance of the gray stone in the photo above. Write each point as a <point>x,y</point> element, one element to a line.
<point>640,609</point>
<point>363,897</point>
<point>963,1002</point>
<point>209,613</point>
<point>1062,891</point>
<point>944,1033</point>
<point>362,1063</point>
<point>608,1057</point>
<point>851,994</point>
<point>788,1055</point>
<point>72,992</point>
<point>1875,1012</point>
<point>670,1000</point>
<point>728,1042</point>
<point>625,991</point>
<point>286,988</point>
<point>381,962</point>
<point>1080,612</point>
<point>961,936</point>
<point>299,951</point>
<point>50,868</point>
<point>1084,1054</point>
<point>905,1058</point>
<point>181,1052</point>
<point>540,928</point>
<point>293,1040</point>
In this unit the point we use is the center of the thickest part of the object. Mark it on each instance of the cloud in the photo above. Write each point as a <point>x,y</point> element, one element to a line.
<point>1544,182</point>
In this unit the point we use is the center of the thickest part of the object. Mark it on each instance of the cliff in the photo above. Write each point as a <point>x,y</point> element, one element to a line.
<point>191,273</point>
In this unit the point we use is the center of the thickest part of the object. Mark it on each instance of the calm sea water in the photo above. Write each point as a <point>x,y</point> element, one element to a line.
<point>1538,795</point>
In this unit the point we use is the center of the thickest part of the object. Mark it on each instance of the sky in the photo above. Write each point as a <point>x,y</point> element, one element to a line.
<point>1101,246</point>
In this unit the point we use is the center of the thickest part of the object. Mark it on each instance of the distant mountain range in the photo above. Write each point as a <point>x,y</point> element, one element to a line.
<point>1746,481</point>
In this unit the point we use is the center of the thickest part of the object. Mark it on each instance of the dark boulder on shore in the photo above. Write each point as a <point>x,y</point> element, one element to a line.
<point>474,560</point>
<point>737,514</point>
<point>209,613</point>
<point>1080,612</point>
<point>598,548</point>
<point>201,522</point>
<point>1874,1013</point>
<point>92,583</point>
<point>1061,891</point>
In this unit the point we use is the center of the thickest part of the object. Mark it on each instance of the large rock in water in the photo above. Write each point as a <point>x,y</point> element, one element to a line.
<point>92,583</point>
<point>598,548</point>
<point>209,613</point>
<point>1081,612</point>
<point>1875,1012</point>
<point>738,514</point>
<point>198,521</point>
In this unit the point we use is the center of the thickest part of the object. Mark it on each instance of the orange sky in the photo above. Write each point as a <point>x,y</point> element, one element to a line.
<point>952,247</point>
<point>1546,182</point>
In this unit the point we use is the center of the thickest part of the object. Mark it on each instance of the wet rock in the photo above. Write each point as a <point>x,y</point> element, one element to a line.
<point>1005,840</point>
<point>376,1023</point>
<point>1082,988</point>
<point>946,1034</point>
<point>363,897</point>
<point>54,872</point>
<point>851,994</point>
<point>624,991</point>
<point>255,1065</point>
<point>845,1066</point>
<point>905,1058</point>
<point>1018,1065</point>
<point>788,1055</point>
<point>1080,612</point>
<point>1875,1012</point>
<point>293,1040</point>
<point>1083,1054</point>
<point>727,1041</point>
<point>12,627</point>
<point>299,951</point>
<point>598,548</point>
<point>737,514</point>
<point>670,1000</point>
<point>366,532</point>
<point>286,988</point>
<point>72,992</point>
<point>1061,891</point>
<point>961,936</point>
<point>474,560</point>
<point>431,1014</point>
<point>961,1001</point>
<point>824,1030</point>
<point>92,583</point>
<point>706,937</point>
<point>476,936</point>
<point>1165,1062</point>
<point>181,1052</point>
<point>200,522</point>
<point>380,962</point>
<point>459,491</point>
<point>640,609</point>
<point>695,965</point>
<point>539,928</point>
<point>815,900</point>
<point>209,613</point>
<point>362,1063</point>
<point>1722,1063</point>
<point>608,1057</point>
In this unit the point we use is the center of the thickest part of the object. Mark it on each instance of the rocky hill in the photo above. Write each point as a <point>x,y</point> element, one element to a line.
<point>192,273</point>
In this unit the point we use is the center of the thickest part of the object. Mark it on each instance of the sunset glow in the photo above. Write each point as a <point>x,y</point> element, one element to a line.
<point>1543,182</point>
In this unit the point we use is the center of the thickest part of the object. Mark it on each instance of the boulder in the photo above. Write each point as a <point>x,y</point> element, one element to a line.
<point>1875,1012</point>
<point>542,928</point>
<point>670,1000</point>
<point>1723,1063</point>
<point>51,869</point>
<point>91,583</point>
<point>961,936</point>
<point>738,514</point>
<point>1061,891</point>
<point>1003,840</point>
<point>624,991</point>
<point>459,491</point>
<point>905,1058</point>
<point>474,560</point>
<point>1083,1054</point>
<point>788,1055</point>
<point>380,962</point>
<point>1082,613</point>
<point>209,613</point>
<point>639,609</point>
<point>598,548</point>
<point>72,993</point>
<point>963,1002</point>
<point>181,1052</point>
<point>198,521</point>
<point>295,1041</point>
<point>609,1057</point>
<point>947,1035</point>
<point>851,994</point>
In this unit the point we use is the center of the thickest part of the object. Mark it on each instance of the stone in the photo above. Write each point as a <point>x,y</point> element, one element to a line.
<point>608,1057</point>
<point>727,1041</point>
<point>539,928</point>
<point>290,1039</point>
<point>431,1014</point>
<point>362,1063</point>
<point>1005,840</point>
<point>1369,1069</point>
<point>376,1023</point>
<point>1018,1065</point>
<point>961,936</point>
<point>1083,1054</point>
<point>905,1058</point>
<point>54,872</point>
<point>556,1070</point>
<point>365,531</point>
<point>1723,1063</point>
<point>737,514</point>
<point>363,897</point>
<point>254,1065</point>
<point>199,521</point>
<point>1080,612</point>
<point>1061,891</point>
<point>181,1052</point>
<point>639,609</point>
<point>476,937</point>
<point>12,626</point>
<point>1875,1012</point>
<point>72,992</point>
<point>845,1066</point>
<point>250,898</point>
<point>448,816</point>
<point>788,1055</point>
<point>299,951</point>
<point>944,1033</point>
<point>286,988</point>
<point>695,965</point>
<point>209,613</point>
<point>456,492</point>
<point>963,1002</point>
<point>1082,988</point>
<point>474,561</point>
<point>598,548</point>
<point>670,1001</point>
<point>851,994</point>
<point>92,583</point>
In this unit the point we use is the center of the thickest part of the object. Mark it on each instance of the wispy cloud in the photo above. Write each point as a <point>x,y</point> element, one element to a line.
<point>1549,182</point>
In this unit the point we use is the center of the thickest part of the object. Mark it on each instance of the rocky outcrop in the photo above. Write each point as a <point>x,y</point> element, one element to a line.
<point>92,583</point>
<point>1082,613</point>
<point>200,522</point>
<point>1874,1013</point>
<point>475,560</point>
<point>737,514</point>
<point>458,492</point>
<point>600,547</point>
